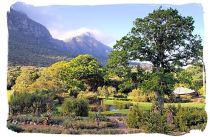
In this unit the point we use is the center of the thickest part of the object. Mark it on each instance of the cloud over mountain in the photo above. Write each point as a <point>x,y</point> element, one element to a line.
<point>97,34</point>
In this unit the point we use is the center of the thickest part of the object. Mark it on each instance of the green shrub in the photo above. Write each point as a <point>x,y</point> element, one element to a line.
<point>75,106</point>
<point>56,120</point>
<point>139,96</point>
<point>106,91</point>
<point>183,119</point>
<point>15,128</point>
<point>68,123</point>
<point>149,121</point>
<point>188,118</point>
<point>99,116</point>
<point>137,117</point>
<point>121,104</point>
<point>25,103</point>
<point>156,123</point>
<point>202,90</point>
<point>90,96</point>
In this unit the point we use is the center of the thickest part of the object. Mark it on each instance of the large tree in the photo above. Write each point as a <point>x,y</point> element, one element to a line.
<point>164,38</point>
<point>191,77</point>
<point>28,75</point>
<point>82,73</point>
<point>50,79</point>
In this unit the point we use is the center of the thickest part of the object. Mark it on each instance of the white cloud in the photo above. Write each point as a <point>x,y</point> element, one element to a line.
<point>100,36</point>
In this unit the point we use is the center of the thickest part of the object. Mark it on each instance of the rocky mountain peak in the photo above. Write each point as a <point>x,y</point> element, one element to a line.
<point>19,22</point>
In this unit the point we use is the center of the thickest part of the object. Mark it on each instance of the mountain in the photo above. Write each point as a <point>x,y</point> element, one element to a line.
<point>87,44</point>
<point>30,43</point>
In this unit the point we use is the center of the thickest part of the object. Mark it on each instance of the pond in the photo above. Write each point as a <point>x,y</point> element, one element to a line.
<point>112,108</point>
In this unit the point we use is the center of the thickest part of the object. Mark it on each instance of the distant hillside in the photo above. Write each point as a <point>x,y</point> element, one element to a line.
<point>30,43</point>
<point>87,44</point>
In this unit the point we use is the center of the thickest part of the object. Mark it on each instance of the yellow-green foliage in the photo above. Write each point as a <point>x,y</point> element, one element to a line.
<point>140,96</point>
<point>83,72</point>
<point>90,96</point>
<point>106,91</point>
<point>202,90</point>
<point>9,95</point>
<point>50,79</point>
<point>26,78</point>
<point>181,85</point>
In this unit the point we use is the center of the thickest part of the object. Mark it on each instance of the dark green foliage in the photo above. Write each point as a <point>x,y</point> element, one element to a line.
<point>126,86</point>
<point>75,106</point>
<point>118,63</point>
<point>83,72</point>
<point>12,73</point>
<point>24,102</point>
<point>157,35</point>
<point>136,118</point>
<point>163,38</point>
<point>192,77</point>
<point>152,122</point>
<point>158,81</point>
<point>14,128</point>
<point>157,123</point>
<point>183,119</point>
<point>190,118</point>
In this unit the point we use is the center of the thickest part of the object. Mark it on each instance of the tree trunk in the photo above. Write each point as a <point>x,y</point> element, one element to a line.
<point>160,101</point>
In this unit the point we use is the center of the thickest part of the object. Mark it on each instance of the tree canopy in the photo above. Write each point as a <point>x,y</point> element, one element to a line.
<point>164,38</point>
<point>27,76</point>
<point>191,77</point>
<point>83,72</point>
<point>50,79</point>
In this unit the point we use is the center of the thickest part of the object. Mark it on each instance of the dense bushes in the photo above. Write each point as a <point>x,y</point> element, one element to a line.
<point>149,121</point>
<point>188,118</point>
<point>106,91</point>
<point>136,117</point>
<point>183,119</point>
<point>75,106</point>
<point>139,96</point>
<point>24,102</point>
<point>90,96</point>
<point>14,127</point>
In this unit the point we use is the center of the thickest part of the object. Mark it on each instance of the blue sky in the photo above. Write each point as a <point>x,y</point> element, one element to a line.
<point>107,22</point>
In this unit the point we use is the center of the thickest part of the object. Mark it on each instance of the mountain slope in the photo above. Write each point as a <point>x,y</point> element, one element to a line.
<point>87,44</point>
<point>30,43</point>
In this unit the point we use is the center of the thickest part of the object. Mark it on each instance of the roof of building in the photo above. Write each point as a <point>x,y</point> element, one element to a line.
<point>182,90</point>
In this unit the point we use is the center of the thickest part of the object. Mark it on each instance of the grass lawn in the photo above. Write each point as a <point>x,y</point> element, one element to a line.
<point>148,105</point>
<point>142,105</point>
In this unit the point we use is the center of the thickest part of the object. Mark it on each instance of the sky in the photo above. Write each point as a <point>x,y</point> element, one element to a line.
<point>108,23</point>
